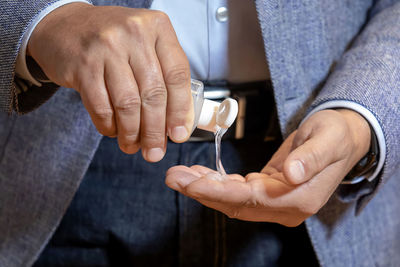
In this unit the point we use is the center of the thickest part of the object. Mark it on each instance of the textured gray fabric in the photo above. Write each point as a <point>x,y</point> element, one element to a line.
<point>304,40</point>
<point>15,16</point>
<point>369,74</point>
<point>372,238</point>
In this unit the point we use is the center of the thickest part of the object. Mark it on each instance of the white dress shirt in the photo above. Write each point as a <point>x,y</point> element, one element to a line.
<point>222,39</point>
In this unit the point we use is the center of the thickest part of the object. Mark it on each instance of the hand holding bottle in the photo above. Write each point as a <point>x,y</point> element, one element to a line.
<point>127,65</point>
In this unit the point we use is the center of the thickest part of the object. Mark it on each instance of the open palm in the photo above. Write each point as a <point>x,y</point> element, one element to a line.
<point>284,191</point>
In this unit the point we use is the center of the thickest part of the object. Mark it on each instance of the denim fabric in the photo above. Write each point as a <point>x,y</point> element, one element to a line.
<point>124,215</point>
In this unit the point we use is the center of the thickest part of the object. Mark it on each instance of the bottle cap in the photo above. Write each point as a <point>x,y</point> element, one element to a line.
<point>227,113</point>
<point>214,114</point>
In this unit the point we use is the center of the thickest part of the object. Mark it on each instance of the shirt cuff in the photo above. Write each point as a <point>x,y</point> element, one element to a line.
<point>21,67</point>
<point>373,122</point>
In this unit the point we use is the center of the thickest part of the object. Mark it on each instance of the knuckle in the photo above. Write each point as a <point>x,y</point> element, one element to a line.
<point>178,116</point>
<point>314,159</point>
<point>153,137</point>
<point>108,37</point>
<point>128,104</point>
<point>102,118</point>
<point>178,75</point>
<point>181,112</point>
<point>129,138</point>
<point>102,113</point>
<point>154,96</point>
<point>160,17</point>
<point>135,25</point>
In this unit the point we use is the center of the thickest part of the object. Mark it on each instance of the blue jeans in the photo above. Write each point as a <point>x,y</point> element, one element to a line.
<point>124,215</point>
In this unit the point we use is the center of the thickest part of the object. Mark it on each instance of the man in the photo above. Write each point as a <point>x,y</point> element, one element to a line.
<point>85,47</point>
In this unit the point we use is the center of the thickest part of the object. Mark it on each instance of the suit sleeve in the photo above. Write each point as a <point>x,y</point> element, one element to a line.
<point>369,74</point>
<point>16,18</point>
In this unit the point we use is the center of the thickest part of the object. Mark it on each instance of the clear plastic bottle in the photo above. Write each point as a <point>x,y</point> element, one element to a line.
<point>211,115</point>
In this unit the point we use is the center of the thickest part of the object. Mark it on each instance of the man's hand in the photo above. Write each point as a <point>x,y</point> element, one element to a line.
<point>127,65</point>
<point>296,182</point>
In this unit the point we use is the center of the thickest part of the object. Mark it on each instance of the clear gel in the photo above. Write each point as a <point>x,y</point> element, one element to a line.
<point>214,117</point>
<point>218,136</point>
<point>220,175</point>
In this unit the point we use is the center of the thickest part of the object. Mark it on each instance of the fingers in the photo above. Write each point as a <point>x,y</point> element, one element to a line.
<point>96,100</point>
<point>176,71</point>
<point>201,169</point>
<point>229,191</point>
<point>237,198</point>
<point>316,146</point>
<point>153,95</point>
<point>141,88</point>
<point>178,177</point>
<point>306,161</point>
<point>279,157</point>
<point>193,182</point>
<point>125,98</point>
<point>251,214</point>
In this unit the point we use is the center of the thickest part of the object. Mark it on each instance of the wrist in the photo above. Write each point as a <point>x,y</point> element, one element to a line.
<point>43,30</point>
<point>360,132</point>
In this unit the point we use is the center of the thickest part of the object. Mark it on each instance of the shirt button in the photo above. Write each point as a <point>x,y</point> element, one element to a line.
<point>222,14</point>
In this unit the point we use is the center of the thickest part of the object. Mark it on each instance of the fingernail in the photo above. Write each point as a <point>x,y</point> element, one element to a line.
<point>179,133</point>
<point>297,171</point>
<point>155,154</point>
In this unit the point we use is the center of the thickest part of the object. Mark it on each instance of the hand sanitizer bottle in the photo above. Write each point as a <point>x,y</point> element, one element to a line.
<point>212,115</point>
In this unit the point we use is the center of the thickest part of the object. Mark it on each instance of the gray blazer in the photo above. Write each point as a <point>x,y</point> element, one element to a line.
<point>45,153</point>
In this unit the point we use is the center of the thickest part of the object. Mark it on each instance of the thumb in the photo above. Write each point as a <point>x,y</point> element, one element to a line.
<point>312,154</point>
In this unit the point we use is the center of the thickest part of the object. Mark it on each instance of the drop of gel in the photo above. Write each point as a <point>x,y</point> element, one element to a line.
<point>215,176</point>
